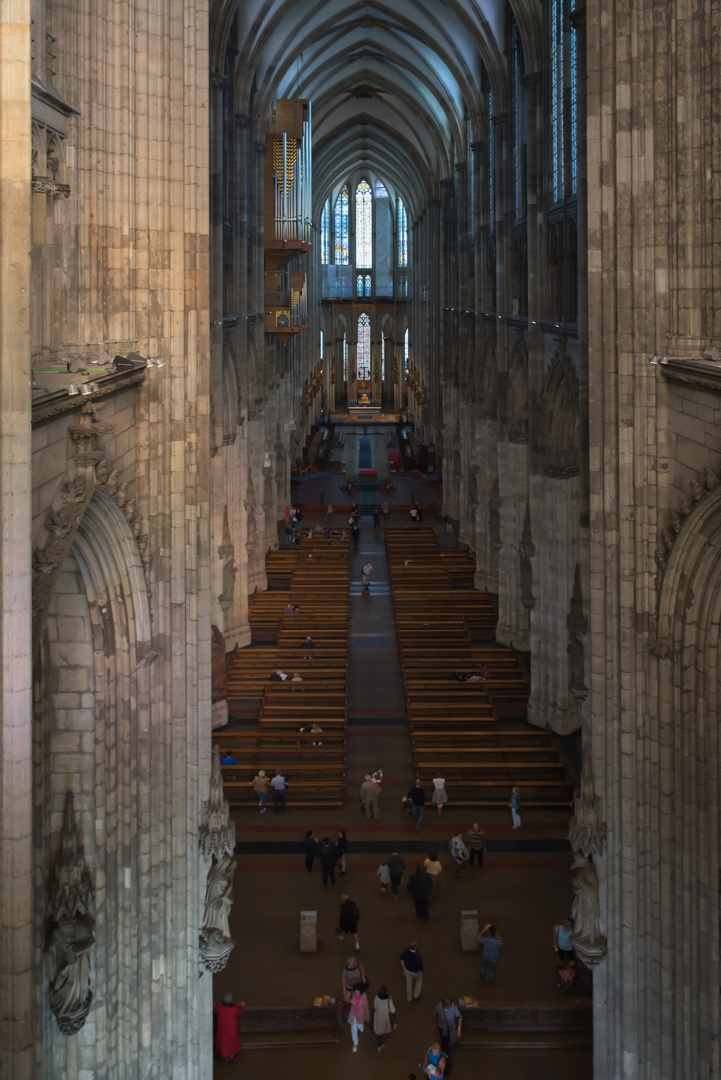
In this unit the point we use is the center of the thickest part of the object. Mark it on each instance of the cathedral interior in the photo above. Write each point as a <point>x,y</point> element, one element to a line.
<point>258,253</point>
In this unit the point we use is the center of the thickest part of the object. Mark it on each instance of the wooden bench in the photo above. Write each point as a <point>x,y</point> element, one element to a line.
<point>558,1024</point>
<point>302,791</point>
<point>281,1027</point>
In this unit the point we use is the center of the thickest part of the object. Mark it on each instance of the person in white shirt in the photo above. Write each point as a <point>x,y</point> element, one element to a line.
<point>279,786</point>
<point>440,797</point>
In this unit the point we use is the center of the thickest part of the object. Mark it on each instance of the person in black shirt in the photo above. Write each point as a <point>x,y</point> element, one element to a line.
<point>417,798</point>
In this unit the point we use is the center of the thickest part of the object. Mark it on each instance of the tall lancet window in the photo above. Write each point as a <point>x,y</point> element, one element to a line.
<point>363,369</point>
<point>406,349</point>
<point>383,359</point>
<point>321,346</point>
<point>363,225</point>
<point>325,233</point>
<point>564,101</point>
<point>345,358</point>
<point>341,228</point>
<point>402,236</point>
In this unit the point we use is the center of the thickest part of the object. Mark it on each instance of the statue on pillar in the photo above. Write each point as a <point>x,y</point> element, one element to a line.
<point>217,843</point>
<point>588,941</point>
<point>70,933</point>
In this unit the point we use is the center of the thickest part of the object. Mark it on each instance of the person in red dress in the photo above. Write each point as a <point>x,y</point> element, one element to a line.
<point>227,1036</point>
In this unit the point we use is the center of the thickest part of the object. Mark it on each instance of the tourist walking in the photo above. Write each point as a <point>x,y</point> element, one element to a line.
<point>384,1015</point>
<point>459,851</point>
<point>355,533</point>
<point>348,920</point>
<point>434,869</point>
<point>490,943</point>
<point>369,798</point>
<point>412,968</point>
<point>562,942</point>
<point>515,805</point>
<point>359,1013</point>
<point>440,797</point>
<point>376,519</point>
<point>385,876</point>
<point>260,785</point>
<point>386,512</point>
<point>366,575</point>
<point>341,846</point>
<point>279,786</point>
<point>328,857</point>
<point>353,975</point>
<point>396,865</point>
<point>420,889</point>
<point>434,1063</point>
<point>476,844</point>
<point>310,847</point>
<point>417,799</point>
<point>227,1036</point>
<point>448,1020</point>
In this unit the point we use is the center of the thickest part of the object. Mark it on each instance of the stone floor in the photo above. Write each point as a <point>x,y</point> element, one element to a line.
<point>524,888</point>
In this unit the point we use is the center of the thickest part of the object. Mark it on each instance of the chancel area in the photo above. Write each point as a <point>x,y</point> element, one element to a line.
<point>359,413</point>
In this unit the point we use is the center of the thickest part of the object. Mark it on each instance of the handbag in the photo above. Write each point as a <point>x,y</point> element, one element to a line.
<point>345,1012</point>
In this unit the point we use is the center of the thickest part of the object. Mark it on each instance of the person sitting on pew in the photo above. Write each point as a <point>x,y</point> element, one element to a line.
<point>296,677</point>
<point>278,676</point>
<point>288,609</point>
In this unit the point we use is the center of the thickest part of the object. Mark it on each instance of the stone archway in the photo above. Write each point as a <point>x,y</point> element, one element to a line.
<point>684,682</point>
<point>92,736</point>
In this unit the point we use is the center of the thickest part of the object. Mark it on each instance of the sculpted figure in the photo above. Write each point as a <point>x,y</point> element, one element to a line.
<point>588,941</point>
<point>71,941</point>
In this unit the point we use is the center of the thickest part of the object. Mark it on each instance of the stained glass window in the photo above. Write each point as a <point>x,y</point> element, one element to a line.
<point>363,225</point>
<point>383,359</point>
<point>557,97</point>
<point>321,345</point>
<point>367,285</point>
<point>402,236</point>
<point>364,347</point>
<point>574,110</point>
<point>325,233</point>
<point>363,285</point>
<point>405,351</point>
<point>491,163</point>
<point>517,126</point>
<point>359,285</point>
<point>345,358</point>
<point>341,228</point>
<point>380,190</point>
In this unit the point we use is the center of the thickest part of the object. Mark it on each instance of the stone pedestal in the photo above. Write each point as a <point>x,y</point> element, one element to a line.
<point>469,931</point>
<point>309,931</point>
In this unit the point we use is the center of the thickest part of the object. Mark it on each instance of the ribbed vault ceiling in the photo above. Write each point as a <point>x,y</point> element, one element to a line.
<point>391,83</point>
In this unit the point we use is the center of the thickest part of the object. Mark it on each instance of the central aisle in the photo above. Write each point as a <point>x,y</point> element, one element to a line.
<point>272,887</point>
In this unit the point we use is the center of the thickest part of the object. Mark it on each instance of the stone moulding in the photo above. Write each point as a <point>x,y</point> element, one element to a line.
<point>60,402</point>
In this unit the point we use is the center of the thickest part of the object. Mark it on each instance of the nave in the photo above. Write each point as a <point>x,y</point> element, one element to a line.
<point>524,886</point>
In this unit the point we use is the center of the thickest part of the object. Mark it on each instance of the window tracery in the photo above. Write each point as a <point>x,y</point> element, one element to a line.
<point>363,353</point>
<point>341,228</point>
<point>363,225</point>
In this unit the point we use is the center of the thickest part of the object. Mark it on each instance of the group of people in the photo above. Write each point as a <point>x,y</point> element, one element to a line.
<point>329,855</point>
<point>293,518</point>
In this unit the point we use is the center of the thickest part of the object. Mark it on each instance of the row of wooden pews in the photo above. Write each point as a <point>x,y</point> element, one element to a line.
<point>314,694</point>
<point>457,684</point>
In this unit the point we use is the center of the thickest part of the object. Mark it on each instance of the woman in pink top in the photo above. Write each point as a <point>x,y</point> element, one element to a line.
<point>359,1013</point>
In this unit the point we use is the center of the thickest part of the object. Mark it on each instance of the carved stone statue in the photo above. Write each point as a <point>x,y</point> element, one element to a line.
<point>494,518</point>
<point>70,933</point>
<point>217,842</point>
<point>588,941</point>
<point>251,506</point>
<point>527,550</point>
<point>218,665</point>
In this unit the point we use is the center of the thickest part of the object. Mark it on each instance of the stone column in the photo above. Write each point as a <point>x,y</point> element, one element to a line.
<point>16,1029</point>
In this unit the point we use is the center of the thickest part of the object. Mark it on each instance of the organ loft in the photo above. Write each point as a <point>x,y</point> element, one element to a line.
<point>455,256</point>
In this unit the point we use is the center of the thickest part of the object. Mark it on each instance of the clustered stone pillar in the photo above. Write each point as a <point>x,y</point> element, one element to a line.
<point>16,1032</point>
